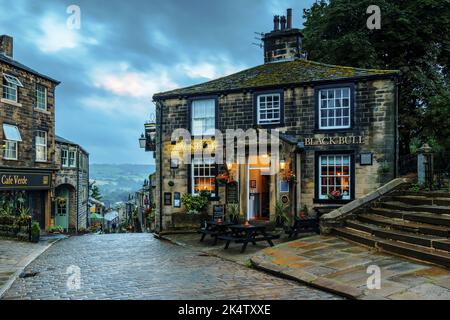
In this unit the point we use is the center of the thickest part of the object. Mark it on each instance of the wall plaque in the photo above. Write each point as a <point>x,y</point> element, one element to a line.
<point>176,200</point>
<point>325,141</point>
<point>218,212</point>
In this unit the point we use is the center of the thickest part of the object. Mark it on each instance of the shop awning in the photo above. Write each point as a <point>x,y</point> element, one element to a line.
<point>96,216</point>
<point>11,132</point>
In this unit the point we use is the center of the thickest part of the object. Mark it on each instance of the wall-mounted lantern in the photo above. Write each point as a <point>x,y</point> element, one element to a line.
<point>142,141</point>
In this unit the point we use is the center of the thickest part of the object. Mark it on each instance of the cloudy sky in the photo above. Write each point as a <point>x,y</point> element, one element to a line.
<point>125,51</point>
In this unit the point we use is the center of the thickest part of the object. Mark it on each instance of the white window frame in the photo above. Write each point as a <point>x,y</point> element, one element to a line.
<point>38,105</point>
<point>208,164</point>
<point>65,157</point>
<point>332,105</point>
<point>15,150</point>
<point>39,146</point>
<point>335,175</point>
<point>12,84</point>
<point>263,106</point>
<point>74,158</point>
<point>203,131</point>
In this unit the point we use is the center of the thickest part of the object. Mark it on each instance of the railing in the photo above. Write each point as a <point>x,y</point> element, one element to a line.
<point>441,167</point>
<point>407,164</point>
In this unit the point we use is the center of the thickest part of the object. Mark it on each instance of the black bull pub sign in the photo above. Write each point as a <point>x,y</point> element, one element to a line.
<point>24,180</point>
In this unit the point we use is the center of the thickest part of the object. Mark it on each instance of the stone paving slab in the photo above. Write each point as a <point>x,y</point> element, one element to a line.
<point>138,266</point>
<point>16,255</point>
<point>341,267</point>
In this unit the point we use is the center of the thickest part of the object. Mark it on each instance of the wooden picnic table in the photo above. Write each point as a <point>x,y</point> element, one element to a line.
<point>244,234</point>
<point>214,229</point>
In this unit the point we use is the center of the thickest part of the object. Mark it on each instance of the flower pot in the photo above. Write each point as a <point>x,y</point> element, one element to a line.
<point>35,238</point>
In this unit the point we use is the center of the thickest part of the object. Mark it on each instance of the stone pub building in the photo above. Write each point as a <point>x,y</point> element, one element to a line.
<point>338,137</point>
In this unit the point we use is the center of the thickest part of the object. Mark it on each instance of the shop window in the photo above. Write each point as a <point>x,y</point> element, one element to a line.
<point>204,176</point>
<point>335,177</point>
<point>268,109</point>
<point>41,98</point>
<point>10,87</point>
<point>203,115</point>
<point>41,146</point>
<point>334,108</point>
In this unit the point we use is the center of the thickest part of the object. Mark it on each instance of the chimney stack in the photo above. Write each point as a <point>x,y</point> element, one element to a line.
<point>6,45</point>
<point>283,23</point>
<point>276,23</point>
<point>289,18</point>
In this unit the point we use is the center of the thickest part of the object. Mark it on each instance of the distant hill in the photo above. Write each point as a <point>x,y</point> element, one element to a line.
<point>116,181</point>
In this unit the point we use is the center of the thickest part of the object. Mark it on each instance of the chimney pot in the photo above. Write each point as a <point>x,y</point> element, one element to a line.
<point>283,23</point>
<point>289,18</point>
<point>6,45</point>
<point>276,23</point>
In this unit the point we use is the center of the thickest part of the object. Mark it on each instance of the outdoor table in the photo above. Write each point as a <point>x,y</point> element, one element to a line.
<point>215,229</point>
<point>247,233</point>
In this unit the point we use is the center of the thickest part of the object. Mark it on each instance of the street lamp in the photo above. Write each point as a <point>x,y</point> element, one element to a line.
<point>142,141</point>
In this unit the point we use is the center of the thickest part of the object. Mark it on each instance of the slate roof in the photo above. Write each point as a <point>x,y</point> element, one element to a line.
<point>19,65</point>
<point>277,74</point>
<point>65,141</point>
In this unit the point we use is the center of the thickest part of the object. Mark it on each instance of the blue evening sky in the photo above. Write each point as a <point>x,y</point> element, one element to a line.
<point>125,51</point>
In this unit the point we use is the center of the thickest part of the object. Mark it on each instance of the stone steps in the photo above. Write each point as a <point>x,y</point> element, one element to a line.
<point>421,200</point>
<point>423,217</point>
<point>407,226</point>
<point>396,247</point>
<point>395,205</point>
<point>428,241</point>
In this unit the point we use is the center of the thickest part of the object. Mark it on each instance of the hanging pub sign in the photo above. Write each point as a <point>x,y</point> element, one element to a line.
<point>24,180</point>
<point>326,141</point>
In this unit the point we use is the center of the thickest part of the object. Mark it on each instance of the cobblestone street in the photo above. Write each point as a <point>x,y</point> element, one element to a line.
<point>137,266</point>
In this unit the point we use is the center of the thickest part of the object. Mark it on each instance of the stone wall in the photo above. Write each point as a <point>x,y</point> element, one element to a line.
<point>374,120</point>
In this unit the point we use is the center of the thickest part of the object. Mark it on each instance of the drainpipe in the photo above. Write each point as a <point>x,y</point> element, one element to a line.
<point>159,106</point>
<point>78,187</point>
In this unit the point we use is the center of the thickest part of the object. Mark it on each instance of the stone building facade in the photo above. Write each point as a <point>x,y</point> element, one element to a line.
<point>336,127</point>
<point>27,137</point>
<point>71,207</point>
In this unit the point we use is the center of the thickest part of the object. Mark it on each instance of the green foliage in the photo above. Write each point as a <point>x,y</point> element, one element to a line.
<point>233,211</point>
<point>414,38</point>
<point>195,203</point>
<point>35,229</point>
<point>414,187</point>
<point>95,192</point>
<point>280,212</point>
<point>55,229</point>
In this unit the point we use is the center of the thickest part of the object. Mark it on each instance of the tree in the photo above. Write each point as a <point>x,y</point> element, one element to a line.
<point>414,38</point>
<point>95,192</point>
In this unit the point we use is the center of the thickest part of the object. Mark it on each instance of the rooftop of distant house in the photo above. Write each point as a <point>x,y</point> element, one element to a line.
<point>62,140</point>
<point>278,74</point>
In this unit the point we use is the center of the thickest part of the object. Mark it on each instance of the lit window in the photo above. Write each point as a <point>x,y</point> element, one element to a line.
<point>334,176</point>
<point>204,176</point>
<point>72,159</point>
<point>10,84</point>
<point>269,108</point>
<point>64,158</point>
<point>203,117</point>
<point>41,97</point>
<point>334,108</point>
<point>41,146</point>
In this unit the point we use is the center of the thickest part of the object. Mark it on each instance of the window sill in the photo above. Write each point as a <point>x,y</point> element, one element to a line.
<point>42,161</point>
<point>42,111</point>
<point>8,159</point>
<point>333,130</point>
<point>330,201</point>
<point>10,102</point>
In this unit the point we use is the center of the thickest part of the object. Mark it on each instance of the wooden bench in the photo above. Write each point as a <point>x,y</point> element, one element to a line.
<point>246,235</point>
<point>303,226</point>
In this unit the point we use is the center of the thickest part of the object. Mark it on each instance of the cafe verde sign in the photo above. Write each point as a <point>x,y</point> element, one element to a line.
<point>326,141</point>
<point>24,180</point>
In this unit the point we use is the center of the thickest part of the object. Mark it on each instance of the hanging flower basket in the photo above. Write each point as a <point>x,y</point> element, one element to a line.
<point>289,176</point>
<point>222,178</point>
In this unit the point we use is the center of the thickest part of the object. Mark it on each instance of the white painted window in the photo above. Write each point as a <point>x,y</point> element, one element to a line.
<point>72,158</point>
<point>335,175</point>
<point>204,176</point>
<point>203,115</point>
<point>10,85</point>
<point>269,108</point>
<point>41,97</point>
<point>65,157</point>
<point>10,151</point>
<point>334,108</point>
<point>41,146</point>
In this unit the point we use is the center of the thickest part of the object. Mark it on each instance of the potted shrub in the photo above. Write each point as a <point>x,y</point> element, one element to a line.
<point>197,203</point>
<point>280,214</point>
<point>233,212</point>
<point>35,232</point>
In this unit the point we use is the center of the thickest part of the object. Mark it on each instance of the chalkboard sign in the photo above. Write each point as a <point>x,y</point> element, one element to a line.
<point>218,212</point>
<point>232,193</point>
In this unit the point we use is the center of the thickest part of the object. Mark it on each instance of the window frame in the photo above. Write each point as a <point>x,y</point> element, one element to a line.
<point>74,152</point>
<point>16,143</point>
<point>256,108</point>
<point>45,98</point>
<point>64,160</point>
<point>318,116</point>
<point>213,175</point>
<point>190,114</point>
<point>317,183</point>
<point>41,145</point>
